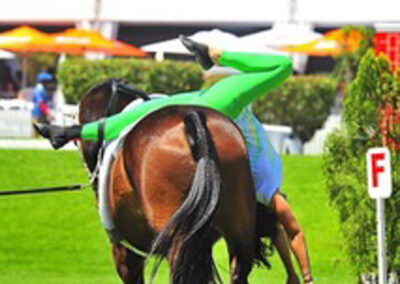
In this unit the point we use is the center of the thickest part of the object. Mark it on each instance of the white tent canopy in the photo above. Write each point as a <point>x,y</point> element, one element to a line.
<point>283,34</point>
<point>215,38</point>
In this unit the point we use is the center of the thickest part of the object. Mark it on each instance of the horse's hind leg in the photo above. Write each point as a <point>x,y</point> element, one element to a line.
<point>129,265</point>
<point>238,220</point>
<point>239,233</point>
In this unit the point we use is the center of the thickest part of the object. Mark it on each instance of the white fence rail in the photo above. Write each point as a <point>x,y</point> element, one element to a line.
<point>316,144</point>
<point>15,118</point>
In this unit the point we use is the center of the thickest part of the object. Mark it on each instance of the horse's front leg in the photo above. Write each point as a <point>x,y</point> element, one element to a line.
<point>130,266</point>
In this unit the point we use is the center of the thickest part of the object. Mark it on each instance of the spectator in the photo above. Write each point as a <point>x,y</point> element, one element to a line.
<point>42,98</point>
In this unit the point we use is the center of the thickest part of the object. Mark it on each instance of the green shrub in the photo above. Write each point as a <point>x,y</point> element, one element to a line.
<point>345,167</point>
<point>301,102</point>
<point>77,75</point>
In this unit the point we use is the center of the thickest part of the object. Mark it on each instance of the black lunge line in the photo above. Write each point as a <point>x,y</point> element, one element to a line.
<point>73,187</point>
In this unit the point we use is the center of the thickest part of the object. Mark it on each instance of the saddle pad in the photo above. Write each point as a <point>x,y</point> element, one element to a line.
<point>109,155</point>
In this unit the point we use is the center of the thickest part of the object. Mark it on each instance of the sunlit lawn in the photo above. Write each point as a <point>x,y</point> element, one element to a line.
<point>57,238</point>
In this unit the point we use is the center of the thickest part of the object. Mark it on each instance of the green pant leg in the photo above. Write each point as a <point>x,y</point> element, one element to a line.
<point>116,123</point>
<point>229,96</point>
<point>232,94</point>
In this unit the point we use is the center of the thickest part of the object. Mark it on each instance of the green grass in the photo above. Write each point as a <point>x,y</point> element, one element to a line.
<point>57,238</point>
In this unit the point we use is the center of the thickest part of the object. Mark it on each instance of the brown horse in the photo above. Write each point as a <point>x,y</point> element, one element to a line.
<point>180,180</point>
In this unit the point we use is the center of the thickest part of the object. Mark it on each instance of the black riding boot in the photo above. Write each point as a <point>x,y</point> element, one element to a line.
<point>199,50</point>
<point>58,135</point>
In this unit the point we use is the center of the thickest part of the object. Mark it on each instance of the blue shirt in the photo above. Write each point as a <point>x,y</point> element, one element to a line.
<point>39,96</point>
<point>265,163</point>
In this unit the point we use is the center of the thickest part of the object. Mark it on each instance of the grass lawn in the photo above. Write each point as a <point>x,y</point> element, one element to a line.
<point>57,238</point>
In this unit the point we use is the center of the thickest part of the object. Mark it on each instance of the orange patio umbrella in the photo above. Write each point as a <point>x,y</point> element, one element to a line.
<point>333,43</point>
<point>120,48</point>
<point>78,41</point>
<point>25,40</point>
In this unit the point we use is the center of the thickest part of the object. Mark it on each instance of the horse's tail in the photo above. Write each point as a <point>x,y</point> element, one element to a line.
<point>189,235</point>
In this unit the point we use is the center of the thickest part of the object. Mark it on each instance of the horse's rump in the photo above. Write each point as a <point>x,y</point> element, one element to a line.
<point>159,167</point>
<point>152,176</point>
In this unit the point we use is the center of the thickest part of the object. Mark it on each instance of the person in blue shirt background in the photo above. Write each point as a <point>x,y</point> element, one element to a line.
<point>42,98</point>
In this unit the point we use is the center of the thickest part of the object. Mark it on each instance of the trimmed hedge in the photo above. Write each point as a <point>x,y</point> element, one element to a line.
<point>77,75</point>
<point>301,102</point>
<point>373,90</point>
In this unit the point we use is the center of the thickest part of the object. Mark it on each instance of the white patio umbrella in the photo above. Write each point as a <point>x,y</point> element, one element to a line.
<point>215,38</point>
<point>283,34</point>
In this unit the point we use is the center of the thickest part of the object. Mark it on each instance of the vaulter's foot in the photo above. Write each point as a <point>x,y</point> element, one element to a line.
<point>200,51</point>
<point>58,135</point>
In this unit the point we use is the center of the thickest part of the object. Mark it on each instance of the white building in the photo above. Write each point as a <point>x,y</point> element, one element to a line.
<point>141,22</point>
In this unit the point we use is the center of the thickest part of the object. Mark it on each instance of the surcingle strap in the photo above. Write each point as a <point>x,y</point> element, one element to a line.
<point>101,130</point>
<point>100,152</point>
